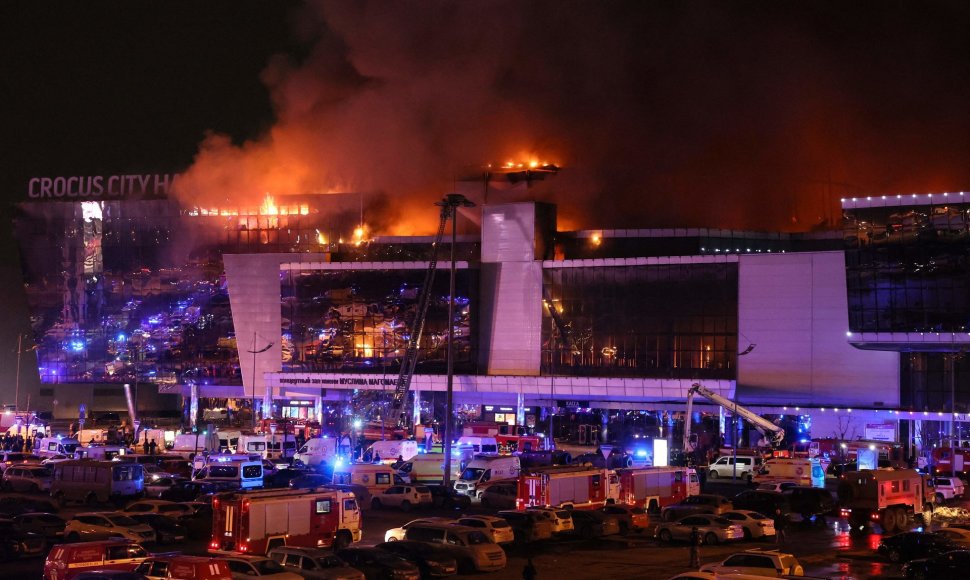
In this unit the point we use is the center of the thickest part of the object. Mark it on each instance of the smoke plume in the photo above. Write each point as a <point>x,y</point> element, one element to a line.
<point>664,115</point>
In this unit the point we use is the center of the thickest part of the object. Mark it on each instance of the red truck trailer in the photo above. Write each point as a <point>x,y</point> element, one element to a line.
<point>253,522</point>
<point>652,488</point>
<point>578,487</point>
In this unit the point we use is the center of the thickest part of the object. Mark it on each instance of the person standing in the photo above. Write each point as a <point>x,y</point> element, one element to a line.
<point>151,447</point>
<point>695,548</point>
<point>529,571</point>
<point>781,527</point>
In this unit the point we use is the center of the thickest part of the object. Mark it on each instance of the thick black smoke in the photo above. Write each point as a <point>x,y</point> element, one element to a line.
<point>670,114</point>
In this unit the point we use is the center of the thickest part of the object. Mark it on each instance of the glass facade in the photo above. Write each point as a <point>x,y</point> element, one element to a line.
<point>908,268</point>
<point>676,321</point>
<point>134,290</point>
<point>361,321</point>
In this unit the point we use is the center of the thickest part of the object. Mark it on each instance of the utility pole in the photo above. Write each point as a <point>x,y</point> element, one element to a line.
<point>451,203</point>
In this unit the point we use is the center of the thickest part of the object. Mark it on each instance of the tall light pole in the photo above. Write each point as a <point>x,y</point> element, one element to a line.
<point>451,203</point>
<point>254,352</point>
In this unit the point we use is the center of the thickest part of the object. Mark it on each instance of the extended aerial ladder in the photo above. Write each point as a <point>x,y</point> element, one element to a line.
<point>770,432</point>
<point>449,206</point>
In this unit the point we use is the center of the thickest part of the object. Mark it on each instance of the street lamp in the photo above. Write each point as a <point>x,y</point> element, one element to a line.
<point>254,352</point>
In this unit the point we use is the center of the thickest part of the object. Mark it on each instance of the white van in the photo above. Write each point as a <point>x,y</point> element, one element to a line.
<point>188,445</point>
<point>803,471</point>
<point>231,473</point>
<point>487,468</point>
<point>53,446</point>
<point>316,451</point>
<point>427,468</point>
<point>101,452</point>
<point>479,444</point>
<point>388,451</point>
<point>741,466</point>
<point>228,440</point>
<point>247,443</point>
<point>280,447</point>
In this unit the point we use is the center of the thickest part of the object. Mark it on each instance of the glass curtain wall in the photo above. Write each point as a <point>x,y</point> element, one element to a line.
<point>677,321</point>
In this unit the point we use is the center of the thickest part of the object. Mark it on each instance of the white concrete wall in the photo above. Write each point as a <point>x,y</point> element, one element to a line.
<point>794,308</point>
<point>510,311</point>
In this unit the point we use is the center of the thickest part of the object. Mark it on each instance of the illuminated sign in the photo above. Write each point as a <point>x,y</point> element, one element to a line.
<point>100,186</point>
<point>572,403</point>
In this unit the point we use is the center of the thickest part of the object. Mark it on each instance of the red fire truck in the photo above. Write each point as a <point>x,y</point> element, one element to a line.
<point>891,497</point>
<point>655,487</point>
<point>951,461</point>
<point>253,522</point>
<point>561,486</point>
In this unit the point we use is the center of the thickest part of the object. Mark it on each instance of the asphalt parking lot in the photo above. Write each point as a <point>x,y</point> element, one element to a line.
<point>828,551</point>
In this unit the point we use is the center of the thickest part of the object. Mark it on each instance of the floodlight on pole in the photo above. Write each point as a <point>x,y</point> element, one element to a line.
<point>254,352</point>
<point>451,203</point>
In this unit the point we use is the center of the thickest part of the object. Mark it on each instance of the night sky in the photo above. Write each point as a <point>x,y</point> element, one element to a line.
<point>755,115</point>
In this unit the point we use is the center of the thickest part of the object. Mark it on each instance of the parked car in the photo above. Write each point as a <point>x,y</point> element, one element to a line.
<point>561,519</point>
<point>282,477</point>
<point>17,543</point>
<point>106,525</point>
<point>447,497</point>
<point>713,529</point>
<point>72,561</point>
<point>21,504</point>
<point>757,562</point>
<point>179,566</point>
<point>377,564</point>
<point>704,503</point>
<point>501,494</point>
<point>947,565</point>
<point>780,486</point>
<point>527,527</point>
<point>8,458</point>
<point>591,524</point>
<point>394,534</point>
<point>246,567</point>
<point>958,534</point>
<point>433,561</point>
<point>756,525</point>
<point>110,575</point>
<point>812,503</point>
<point>837,469</point>
<point>159,506</point>
<point>309,480</point>
<point>314,563</point>
<point>167,530</point>
<point>497,528</point>
<point>27,477</point>
<point>912,545</point>
<point>185,490</point>
<point>764,502</point>
<point>404,497</point>
<point>631,518</point>
<point>740,466</point>
<point>50,526</point>
<point>476,551</point>
<point>156,485</point>
<point>946,488</point>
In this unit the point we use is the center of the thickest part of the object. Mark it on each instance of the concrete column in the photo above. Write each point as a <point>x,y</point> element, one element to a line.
<point>415,410</point>
<point>318,409</point>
